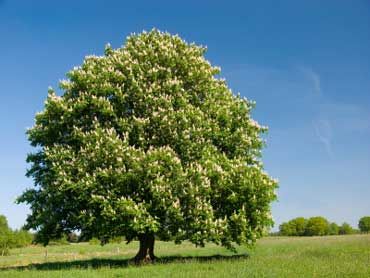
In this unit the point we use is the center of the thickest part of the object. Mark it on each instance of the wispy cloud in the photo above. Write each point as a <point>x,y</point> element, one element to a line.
<point>322,125</point>
<point>299,91</point>
<point>323,131</point>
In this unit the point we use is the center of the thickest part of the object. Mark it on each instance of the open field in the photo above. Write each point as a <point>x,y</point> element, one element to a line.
<point>331,256</point>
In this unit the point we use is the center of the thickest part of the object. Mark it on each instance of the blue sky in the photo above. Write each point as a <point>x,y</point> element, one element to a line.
<point>305,63</point>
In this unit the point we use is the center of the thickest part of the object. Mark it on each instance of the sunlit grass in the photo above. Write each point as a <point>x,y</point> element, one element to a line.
<point>332,256</point>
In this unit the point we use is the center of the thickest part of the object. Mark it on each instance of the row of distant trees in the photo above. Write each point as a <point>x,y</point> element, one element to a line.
<point>20,238</point>
<point>300,226</point>
<point>320,226</point>
<point>12,238</point>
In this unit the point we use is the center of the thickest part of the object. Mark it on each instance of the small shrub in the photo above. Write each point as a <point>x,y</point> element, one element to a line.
<point>94,241</point>
<point>60,241</point>
<point>117,239</point>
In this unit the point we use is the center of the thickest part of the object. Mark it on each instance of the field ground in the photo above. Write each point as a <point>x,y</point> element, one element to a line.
<point>331,256</point>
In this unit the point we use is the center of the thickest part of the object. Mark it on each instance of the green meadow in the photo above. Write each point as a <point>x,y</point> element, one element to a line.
<point>329,256</point>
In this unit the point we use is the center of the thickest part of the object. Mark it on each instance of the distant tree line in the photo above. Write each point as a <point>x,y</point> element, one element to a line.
<point>12,238</point>
<point>320,226</point>
<point>300,226</point>
<point>20,238</point>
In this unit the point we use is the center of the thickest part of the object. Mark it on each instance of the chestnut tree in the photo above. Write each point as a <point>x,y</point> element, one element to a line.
<point>148,142</point>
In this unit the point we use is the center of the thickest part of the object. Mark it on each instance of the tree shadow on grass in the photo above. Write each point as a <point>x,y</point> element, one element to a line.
<point>121,263</point>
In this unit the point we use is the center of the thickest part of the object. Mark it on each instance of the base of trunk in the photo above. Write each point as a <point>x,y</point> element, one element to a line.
<point>146,250</point>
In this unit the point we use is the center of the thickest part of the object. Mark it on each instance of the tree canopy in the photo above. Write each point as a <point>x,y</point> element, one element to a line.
<point>148,140</point>
<point>294,227</point>
<point>317,226</point>
<point>364,224</point>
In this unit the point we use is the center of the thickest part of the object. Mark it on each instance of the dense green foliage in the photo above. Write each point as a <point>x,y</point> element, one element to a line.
<point>317,226</point>
<point>364,224</point>
<point>148,140</point>
<point>295,227</point>
<point>12,239</point>
<point>333,229</point>
<point>345,229</point>
<point>334,256</point>
<point>314,226</point>
<point>6,239</point>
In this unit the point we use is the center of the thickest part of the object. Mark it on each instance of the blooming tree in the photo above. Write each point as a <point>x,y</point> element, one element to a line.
<point>146,141</point>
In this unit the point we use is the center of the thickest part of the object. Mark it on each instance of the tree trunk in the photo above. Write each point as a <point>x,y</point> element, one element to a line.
<point>146,250</point>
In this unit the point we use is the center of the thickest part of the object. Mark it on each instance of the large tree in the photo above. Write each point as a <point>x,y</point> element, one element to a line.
<point>147,141</point>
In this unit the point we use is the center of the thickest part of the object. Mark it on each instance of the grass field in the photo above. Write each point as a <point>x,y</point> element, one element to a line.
<point>332,256</point>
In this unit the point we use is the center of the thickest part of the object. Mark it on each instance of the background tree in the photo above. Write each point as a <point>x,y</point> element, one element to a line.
<point>6,238</point>
<point>345,229</point>
<point>286,229</point>
<point>146,141</point>
<point>333,229</point>
<point>317,226</point>
<point>3,223</point>
<point>294,227</point>
<point>299,224</point>
<point>12,239</point>
<point>364,224</point>
<point>22,238</point>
